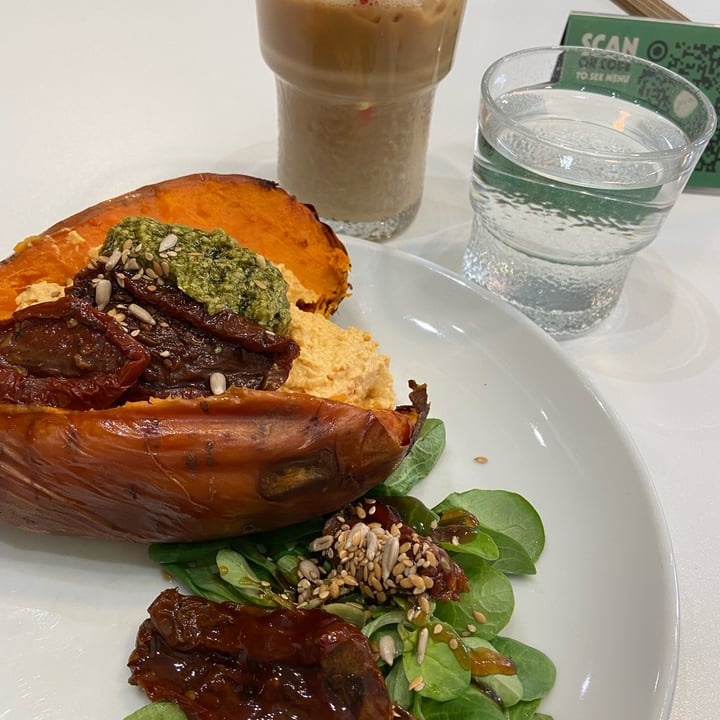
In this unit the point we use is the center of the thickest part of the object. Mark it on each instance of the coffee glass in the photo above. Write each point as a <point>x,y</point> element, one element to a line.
<point>355,86</point>
<point>580,155</point>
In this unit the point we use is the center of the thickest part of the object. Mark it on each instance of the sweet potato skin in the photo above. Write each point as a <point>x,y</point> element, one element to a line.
<point>257,213</point>
<point>189,470</point>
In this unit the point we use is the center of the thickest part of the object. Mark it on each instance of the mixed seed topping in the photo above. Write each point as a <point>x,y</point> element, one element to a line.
<point>368,549</point>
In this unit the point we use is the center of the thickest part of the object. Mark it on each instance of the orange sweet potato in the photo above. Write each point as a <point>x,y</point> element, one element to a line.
<point>177,469</point>
<point>181,470</point>
<point>257,213</point>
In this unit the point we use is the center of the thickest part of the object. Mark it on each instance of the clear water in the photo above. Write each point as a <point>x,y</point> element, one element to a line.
<point>555,232</point>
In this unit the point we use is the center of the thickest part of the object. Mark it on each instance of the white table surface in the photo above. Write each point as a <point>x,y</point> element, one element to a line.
<point>97,98</point>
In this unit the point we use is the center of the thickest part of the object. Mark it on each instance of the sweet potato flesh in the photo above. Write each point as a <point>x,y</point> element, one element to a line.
<point>257,213</point>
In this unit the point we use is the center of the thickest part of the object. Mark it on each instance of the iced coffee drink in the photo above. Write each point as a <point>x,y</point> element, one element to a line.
<point>355,85</point>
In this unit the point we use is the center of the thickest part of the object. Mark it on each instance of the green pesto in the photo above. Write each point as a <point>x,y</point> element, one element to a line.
<point>210,267</point>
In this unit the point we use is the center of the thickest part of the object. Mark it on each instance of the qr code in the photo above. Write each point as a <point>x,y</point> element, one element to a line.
<point>700,63</point>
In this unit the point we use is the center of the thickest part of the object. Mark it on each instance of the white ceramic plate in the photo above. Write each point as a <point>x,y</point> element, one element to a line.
<point>603,605</point>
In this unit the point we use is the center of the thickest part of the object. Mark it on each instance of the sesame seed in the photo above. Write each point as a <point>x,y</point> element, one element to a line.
<point>416,684</point>
<point>386,648</point>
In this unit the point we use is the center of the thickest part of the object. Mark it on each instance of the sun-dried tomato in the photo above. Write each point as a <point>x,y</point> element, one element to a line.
<point>66,353</point>
<point>224,661</point>
<point>186,344</point>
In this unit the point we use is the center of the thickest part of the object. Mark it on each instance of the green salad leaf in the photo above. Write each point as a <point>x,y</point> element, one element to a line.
<point>158,711</point>
<point>418,463</point>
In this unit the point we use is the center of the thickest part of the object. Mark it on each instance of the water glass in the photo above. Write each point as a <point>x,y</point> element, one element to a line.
<point>580,155</point>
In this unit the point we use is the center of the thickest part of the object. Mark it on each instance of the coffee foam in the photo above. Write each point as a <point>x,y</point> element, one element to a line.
<point>381,3</point>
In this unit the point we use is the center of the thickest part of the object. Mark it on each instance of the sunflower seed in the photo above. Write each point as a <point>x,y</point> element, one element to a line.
<point>141,314</point>
<point>321,543</point>
<point>103,291</point>
<point>422,645</point>
<point>309,570</point>
<point>113,260</point>
<point>168,243</point>
<point>218,383</point>
<point>390,555</point>
<point>386,648</point>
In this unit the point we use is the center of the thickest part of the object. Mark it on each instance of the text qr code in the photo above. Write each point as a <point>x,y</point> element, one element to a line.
<point>699,63</point>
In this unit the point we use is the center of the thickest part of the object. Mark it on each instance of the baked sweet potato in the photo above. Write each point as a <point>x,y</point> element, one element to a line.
<point>177,470</point>
<point>257,213</point>
<point>188,468</point>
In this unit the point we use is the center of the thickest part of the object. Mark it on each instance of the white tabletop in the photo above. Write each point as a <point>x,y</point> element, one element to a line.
<point>98,98</point>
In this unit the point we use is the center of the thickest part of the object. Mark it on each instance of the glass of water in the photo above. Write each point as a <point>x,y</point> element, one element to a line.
<point>580,155</point>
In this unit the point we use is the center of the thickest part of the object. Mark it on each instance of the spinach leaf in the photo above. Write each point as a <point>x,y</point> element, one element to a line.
<point>535,670</point>
<point>512,557</point>
<point>481,545</point>
<point>397,684</point>
<point>235,570</point>
<point>442,675</point>
<point>158,711</point>
<point>490,594</point>
<point>525,710</point>
<point>418,463</point>
<point>204,580</point>
<point>472,704</point>
<point>414,513</point>
<point>202,552</point>
<point>508,688</point>
<point>504,513</point>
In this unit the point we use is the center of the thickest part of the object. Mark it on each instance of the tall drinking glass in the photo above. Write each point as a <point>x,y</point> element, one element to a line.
<point>355,86</point>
